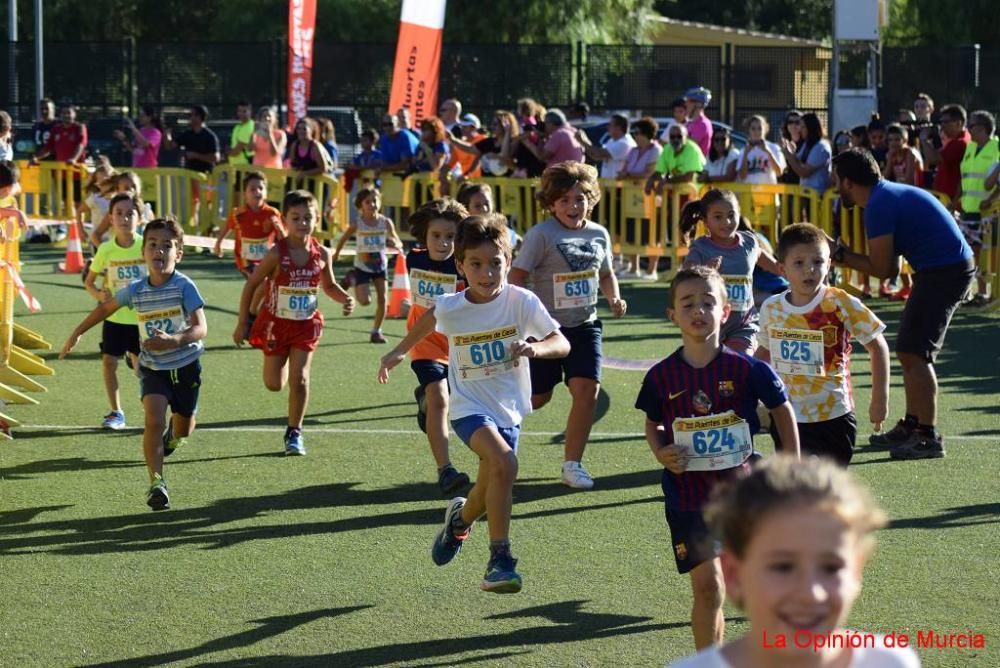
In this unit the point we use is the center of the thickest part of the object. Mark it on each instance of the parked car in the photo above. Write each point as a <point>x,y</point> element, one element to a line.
<point>597,129</point>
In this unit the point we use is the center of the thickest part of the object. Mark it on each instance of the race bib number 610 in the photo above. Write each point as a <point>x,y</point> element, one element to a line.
<point>485,354</point>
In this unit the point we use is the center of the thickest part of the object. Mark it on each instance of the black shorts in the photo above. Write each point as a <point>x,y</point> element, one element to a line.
<point>429,371</point>
<point>691,539</point>
<point>936,294</point>
<point>583,361</point>
<point>833,439</point>
<point>118,339</point>
<point>362,277</point>
<point>179,386</point>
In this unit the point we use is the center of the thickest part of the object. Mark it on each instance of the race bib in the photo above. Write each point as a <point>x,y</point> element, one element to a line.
<point>739,292</point>
<point>254,250</point>
<point>371,242</point>
<point>168,321</point>
<point>797,352</point>
<point>297,303</point>
<point>122,272</point>
<point>713,442</point>
<point>427,285</point>
<point>484,355</point>
<point>574,290</point>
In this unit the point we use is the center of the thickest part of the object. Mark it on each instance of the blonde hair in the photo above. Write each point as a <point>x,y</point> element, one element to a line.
<point>785,483</point>
<point>102,180</point>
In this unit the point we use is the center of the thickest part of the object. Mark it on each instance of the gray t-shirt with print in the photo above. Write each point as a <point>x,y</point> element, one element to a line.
<point>738,262</point>
<point>564,267</point>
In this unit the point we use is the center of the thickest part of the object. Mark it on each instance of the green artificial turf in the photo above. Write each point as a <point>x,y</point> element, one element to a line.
<point>324,560</point>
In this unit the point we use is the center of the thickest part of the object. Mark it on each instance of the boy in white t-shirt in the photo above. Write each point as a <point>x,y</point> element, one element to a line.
<point>490,326</point>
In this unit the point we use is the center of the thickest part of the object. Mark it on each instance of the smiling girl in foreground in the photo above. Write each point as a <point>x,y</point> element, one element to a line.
<point>734,252</point>
<point>795,538</point>
<point>290,322</point>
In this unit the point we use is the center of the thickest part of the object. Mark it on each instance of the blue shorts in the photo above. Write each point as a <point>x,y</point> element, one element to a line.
<point>467,426</point>
<point>583,361</point>
<point>362,277</point>
<point>180,386</point>
<point>429,371</point>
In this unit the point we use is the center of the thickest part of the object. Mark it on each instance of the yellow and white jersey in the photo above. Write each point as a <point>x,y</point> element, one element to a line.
<point>810,349</point>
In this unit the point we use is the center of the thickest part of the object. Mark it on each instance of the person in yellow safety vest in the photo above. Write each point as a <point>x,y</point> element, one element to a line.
<point>980,155</point>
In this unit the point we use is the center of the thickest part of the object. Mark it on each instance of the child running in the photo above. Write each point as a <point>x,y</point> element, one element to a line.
<point>172,325</point>
<point>432,273</point>
<point>374,232</point>
<point>701,411</point>
<point>488,326</point>
<point>125,182</point>
<point>566,259</point>
<point>257,224</point>
<point>119,261</point>
<point>805,334</point>
<point>795,539</point>
<point>734,252</point>
<point>290,323</point>
<point>478,199</point>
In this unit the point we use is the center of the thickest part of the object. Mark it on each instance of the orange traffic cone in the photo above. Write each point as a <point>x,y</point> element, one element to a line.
<point>74,253</point>
<point>399,300</point>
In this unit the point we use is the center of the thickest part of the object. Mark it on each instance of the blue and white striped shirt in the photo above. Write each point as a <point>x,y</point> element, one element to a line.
<point>167,308</point>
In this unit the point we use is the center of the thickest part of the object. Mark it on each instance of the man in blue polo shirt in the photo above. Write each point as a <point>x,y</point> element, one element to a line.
<point>397,147</point>
<point>903,221</point>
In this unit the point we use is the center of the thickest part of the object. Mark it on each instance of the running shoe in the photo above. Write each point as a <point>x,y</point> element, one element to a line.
<point>157,497</point>
<point>575,476</point>
<point>114,420</point>
<point>294,443</point>
<point>501,578</point>
<point>895,436</point>
<point>919,446</point>
<point>447,543</point>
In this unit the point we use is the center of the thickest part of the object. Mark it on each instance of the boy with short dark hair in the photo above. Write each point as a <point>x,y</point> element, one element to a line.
<point>172,325</point>
<point>490,326</point>
<point>805,334</point>
<point>701,412</point>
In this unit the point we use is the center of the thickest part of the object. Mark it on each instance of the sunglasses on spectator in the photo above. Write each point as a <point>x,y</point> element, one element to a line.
<point>676,138</point>
<point>793,121</point>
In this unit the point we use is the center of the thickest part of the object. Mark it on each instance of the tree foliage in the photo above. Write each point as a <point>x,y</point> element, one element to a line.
<point>810,19</point>
<point>932,22</point>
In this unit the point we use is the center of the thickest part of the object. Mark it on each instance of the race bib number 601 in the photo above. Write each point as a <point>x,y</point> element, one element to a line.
<point>485,354</point>
<point>739,292</point>
<point>713,442</point>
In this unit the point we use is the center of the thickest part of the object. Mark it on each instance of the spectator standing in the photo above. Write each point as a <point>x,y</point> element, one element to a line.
<point>923,109</point>
<point>433,152</point>
<point>699,127</point>
<point>241,141</point>
<point>269,141</point>
<point>6,137</point>
<point>981,154</point>
<point>948,159</point>
<point>463,162</point>
<point>306,156</point>
<point>502,152</point>
<point>901,220</point>
<point>903,163</point>
<point>328,138</point>
<point>614,150</point>
<point>791,130</point>
<point>67,140</point>
<point>841,141</point>
<point>639,164</point>
<point>199,146</point>
<point>143,142</point>
<point>678,114</point>
<point>42,128</point>
<point>876,135</point>
<point>406,122</point>
<point>398,148</point>
<point>370,157</point>
<point>811,161</point>
<point>560,144</point>
<point>760,161</point>
<point>722,159</point>
<point>450,111</point>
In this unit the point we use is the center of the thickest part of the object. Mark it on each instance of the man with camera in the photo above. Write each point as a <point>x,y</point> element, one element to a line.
<point>947,155</point>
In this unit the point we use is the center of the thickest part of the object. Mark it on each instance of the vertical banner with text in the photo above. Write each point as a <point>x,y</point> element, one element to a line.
<point>418,58</point>
<point>301,29</point>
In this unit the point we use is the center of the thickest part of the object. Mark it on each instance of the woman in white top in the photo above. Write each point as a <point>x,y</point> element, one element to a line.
<point>760,162</point>
<point>722,158</point>
<point>639,164</point>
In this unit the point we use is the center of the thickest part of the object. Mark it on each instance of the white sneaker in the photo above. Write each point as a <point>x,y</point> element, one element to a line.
<point>625,274</point>
<point>652,276</point>
<point>574,475</point>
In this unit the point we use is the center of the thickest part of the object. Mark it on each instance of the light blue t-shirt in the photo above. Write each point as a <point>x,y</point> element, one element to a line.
<point>819,156</point>
<point>166,307</point>
<point>394,149</point>
<point>923,231</point>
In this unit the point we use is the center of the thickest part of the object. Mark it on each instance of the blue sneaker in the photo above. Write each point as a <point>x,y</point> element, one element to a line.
<point>114,420</point>
<point>294,443</point>
<point>447,544</point>
<point>501,578</point>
